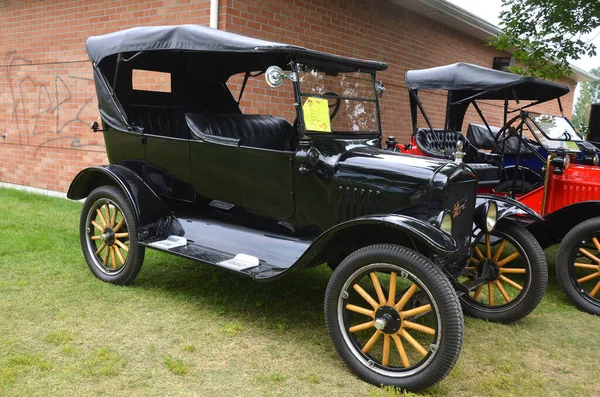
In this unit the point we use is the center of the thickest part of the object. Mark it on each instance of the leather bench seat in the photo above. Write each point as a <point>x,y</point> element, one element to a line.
<point>160,120</point>
<point>442,144</point>
<point>253,130</point>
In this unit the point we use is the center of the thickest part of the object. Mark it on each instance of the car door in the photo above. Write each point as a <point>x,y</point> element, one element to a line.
<point>267,182</point>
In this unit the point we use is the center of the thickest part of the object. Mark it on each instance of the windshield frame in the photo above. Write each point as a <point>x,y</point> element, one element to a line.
<point>532,116</point>
<point>299,95</point>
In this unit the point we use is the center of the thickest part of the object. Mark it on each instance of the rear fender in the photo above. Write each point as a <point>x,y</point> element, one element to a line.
<point>336,243</point>
<point>147,205</point>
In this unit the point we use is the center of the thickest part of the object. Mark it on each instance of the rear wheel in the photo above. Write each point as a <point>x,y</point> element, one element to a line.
<point>109,237</point>
<point>507,275</point>
<point>578,265</point>
<point>394,317</point>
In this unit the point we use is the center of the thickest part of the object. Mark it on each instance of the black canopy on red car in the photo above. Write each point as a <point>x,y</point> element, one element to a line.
<point>465,80</point>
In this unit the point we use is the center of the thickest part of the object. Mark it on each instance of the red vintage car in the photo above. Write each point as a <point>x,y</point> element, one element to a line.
<point>566,195</point>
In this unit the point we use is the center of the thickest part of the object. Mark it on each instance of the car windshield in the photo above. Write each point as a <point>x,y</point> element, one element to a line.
<point>554,128</point>
<point>338,102</point>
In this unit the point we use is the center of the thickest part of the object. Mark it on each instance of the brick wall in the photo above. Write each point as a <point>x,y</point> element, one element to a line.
<point>47,99</point>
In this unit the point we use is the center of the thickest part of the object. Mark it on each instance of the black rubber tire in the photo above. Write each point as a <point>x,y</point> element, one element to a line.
<point>432,281</point>
<point>134,258</point>
<point>534,287</point>
<point>565,270</point>
<point>521,187</point>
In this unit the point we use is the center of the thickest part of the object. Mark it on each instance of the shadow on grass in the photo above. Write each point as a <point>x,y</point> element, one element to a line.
<point>294,302</point>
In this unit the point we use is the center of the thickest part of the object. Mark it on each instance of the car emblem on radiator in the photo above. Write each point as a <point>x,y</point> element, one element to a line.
<point>458,207</point>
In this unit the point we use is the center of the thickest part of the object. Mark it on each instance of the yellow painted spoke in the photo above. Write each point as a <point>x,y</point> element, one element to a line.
<point>588,277</point>
<point>362,327</point>
<point>106,257</point>
<point>509,281</point>
<point>509,258</point>
<point>471,268</point>
<point>401,350</point>
<point>366,296</point>
<point>502,291</point>
<point>415,311</point>
<point>596,243</point>
<point>377,286</point>
<point>407,295</point>
<point>372,341</point>
<point>392,293</point>
<point>586,266</point>
<point>95,237</point>
<point>488,246</point>
<point>113,221</point>
<point>413,342</point>
<point>113,258</point>
<point>119,225</point>
<point>107,208</point>
<point>101,217</point>
<point>101,249</point>
<point>499,250</point>
<point>419,327</point>
<point>120,244</point>
<point>121,235</point>
<point>512,270</point>
<point>595,290</point>
<point>97,226</point>
<point>474,261</point>
<point>477,292</point>
<point>118,251</point>
<point>589,254</point>
<point>478,253</point>
<point>386,350</point>
<point>360,310</point>
<point>490,294</point>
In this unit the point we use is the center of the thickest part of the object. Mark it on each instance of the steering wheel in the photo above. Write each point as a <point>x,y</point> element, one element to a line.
<point>335,105</point>
<point>507,131</point>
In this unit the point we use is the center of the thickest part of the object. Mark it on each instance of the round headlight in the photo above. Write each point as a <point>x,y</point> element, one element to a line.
<point>491,216</point>
<point>566,162</point>
<point>595,159</point>
<point>445,222</point>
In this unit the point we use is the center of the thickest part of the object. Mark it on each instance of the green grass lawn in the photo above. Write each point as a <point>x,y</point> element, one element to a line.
<point>189,329</point>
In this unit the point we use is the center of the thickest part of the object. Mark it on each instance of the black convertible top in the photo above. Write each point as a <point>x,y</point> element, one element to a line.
<point>465,80</point>
<point>204,39</point>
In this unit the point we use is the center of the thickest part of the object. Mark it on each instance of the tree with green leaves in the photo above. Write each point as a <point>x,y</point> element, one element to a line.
<point>589,93</point>
<point>547,34</point>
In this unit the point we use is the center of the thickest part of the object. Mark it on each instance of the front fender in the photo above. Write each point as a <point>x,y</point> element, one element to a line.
<point>508,207</point>
<point>147,205</point>
<point>354,234</point>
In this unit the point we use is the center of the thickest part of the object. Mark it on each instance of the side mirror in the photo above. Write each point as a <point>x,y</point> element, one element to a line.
<point>275,76</point>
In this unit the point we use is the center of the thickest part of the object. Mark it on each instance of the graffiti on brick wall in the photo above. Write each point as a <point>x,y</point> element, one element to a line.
<point>48,109</point>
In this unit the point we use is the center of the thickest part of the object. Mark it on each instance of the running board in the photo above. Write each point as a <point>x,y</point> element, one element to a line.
<point>240,263</point>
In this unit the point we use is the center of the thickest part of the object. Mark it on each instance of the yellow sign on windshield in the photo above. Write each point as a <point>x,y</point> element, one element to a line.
<point>572,145</point>
<point>316,114</point>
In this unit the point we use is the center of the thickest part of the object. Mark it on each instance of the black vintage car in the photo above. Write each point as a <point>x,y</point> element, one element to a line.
<point>302,183</point>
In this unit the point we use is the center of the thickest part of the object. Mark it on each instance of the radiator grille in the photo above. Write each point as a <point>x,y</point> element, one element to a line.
<point>355,202</point>
<point>459,199</point>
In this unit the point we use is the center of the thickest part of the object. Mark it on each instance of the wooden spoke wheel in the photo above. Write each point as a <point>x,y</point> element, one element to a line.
<point>578,265</point>
<point>507,275</point>
<point>108,236</point>
<point>394,317</point>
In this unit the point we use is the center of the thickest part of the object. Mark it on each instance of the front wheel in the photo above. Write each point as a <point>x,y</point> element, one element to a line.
<point>578,265</point>
<point>108,236</point>
<point>394,317</point>
<point>507,275</point>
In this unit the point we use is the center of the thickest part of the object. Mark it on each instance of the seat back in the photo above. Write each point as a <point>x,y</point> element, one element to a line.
<point>253,130</point>
<point>438,143</point>
<point>166,121</point>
